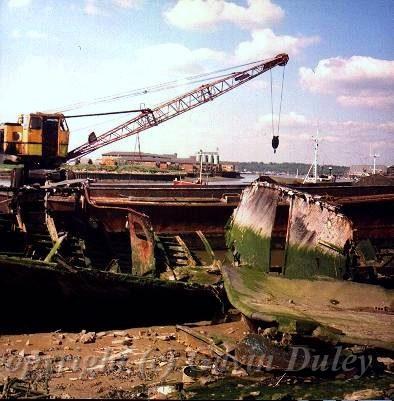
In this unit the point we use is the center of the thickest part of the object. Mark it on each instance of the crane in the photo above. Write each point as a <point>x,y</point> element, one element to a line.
<point>152,117</point>
<point>40,140</point>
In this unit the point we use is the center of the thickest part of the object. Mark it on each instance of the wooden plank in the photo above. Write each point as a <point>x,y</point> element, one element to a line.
<point>207,245</point>
<point>54,249</point>
<point>190,259</point>
<point>51,228</point>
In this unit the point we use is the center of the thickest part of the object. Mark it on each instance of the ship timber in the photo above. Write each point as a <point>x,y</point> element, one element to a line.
<point>316,261</point>
<point>100,260</point>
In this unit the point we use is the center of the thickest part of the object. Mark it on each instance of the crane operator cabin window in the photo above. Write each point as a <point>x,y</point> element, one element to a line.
<point>35,123</point>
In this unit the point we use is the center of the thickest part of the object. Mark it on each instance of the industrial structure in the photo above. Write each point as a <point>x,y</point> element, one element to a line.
<point>40,140</point>
<point>210,161</point>
<point>362,170</point>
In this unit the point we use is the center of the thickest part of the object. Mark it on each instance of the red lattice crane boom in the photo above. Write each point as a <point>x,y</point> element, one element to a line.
<point>152,117</point>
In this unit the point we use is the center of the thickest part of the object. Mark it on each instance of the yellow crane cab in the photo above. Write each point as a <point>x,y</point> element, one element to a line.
<point>37,139</point>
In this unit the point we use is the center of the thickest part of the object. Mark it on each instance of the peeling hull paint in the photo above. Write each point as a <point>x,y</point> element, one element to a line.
<point>294,254</point>
<point>253,222</point>
<point>317,237</point>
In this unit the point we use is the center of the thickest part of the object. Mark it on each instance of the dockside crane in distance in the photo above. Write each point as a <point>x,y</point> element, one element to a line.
<point>40,140</point>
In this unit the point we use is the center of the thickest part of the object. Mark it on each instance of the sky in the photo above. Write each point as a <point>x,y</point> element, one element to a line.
<point>339,79</point>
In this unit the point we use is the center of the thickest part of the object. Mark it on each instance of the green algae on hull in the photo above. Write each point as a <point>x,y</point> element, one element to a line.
<point>306,306</point>
<point>300,262</point>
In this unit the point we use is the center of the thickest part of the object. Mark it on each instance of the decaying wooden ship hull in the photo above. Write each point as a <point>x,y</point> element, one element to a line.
<point>100,262</point>
<point>41,295</point>
<point>315,261</point>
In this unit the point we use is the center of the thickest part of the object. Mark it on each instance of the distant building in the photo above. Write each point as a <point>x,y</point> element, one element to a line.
<point>228,166</point>
<point>365,169</point>
<point>186,164</point>
<point>147,159</point>
<point>390,170</point>
<point>210,161</point>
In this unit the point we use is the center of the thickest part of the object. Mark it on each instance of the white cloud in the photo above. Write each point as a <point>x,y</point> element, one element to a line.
<point>18,3</point>
<point>30,34</point>
<point>91,8</point>
<point>156,64</point>
<point>292,119</point>
<point>104,7</point>
<point>258,84</point>
<point>33,34</point>
<point>174,57</point>
<point>127,3</point>
<point>207,14</point>
<point>16,34</point>
<point>375,99</point>
<point>356,81</point>
<point>298,126</point>
<point>265,43</point>
<point>340,141</point>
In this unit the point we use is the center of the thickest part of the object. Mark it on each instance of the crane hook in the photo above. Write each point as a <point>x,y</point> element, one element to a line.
<point>275,142</point>
<point>275,138</point>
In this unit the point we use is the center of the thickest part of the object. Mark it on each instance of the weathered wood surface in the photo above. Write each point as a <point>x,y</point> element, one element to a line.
<point>331,309</point>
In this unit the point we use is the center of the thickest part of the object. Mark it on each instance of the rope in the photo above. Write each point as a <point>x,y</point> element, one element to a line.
<point>272,106</point>
<point>109,113</point>
<point>281,97</point>
<point>275,138</point>
<point>139,145</point>
<point>96,124</point>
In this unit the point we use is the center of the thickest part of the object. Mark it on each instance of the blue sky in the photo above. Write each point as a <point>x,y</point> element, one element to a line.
<point>340,75</point>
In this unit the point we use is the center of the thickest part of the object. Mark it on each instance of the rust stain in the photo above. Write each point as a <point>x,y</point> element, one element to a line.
<point>142,244</point>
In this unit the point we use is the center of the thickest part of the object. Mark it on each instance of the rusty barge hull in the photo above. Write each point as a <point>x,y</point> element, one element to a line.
<point>172,210</point>
<point>316,261</point>
<point>88,298</point>
<point>98,259</point>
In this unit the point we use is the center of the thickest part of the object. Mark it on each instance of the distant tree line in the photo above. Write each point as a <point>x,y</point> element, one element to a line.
<point>288,168</point>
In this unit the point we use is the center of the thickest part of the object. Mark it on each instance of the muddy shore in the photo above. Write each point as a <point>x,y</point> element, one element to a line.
<point>161,363</point>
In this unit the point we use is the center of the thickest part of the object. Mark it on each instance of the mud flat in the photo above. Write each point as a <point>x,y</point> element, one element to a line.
<point>160,362</point>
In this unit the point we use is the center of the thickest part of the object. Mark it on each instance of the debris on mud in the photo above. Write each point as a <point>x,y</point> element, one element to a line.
<point>202,362</point>
<point>16,388</point>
